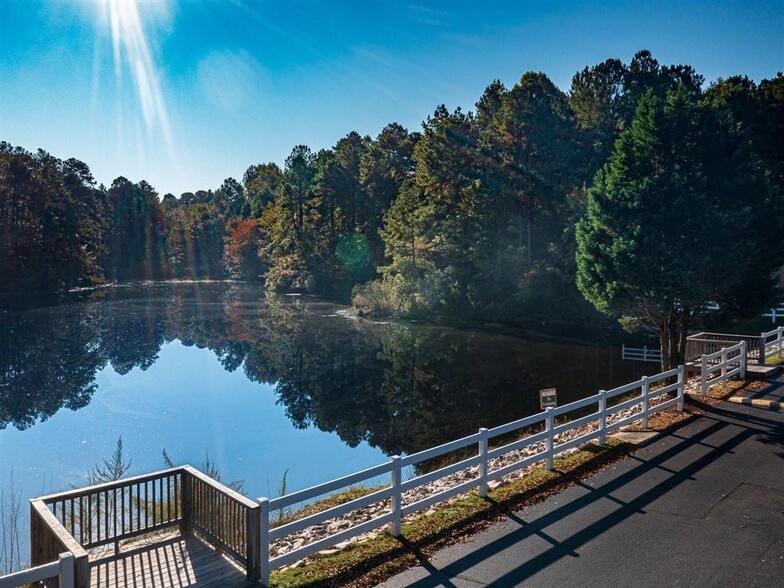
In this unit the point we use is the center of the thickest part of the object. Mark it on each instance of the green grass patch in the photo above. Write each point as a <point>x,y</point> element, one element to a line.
<point>775,359</point>
<point>369,562</point>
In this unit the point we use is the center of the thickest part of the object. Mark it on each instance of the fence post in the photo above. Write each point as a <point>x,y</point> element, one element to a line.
<point>704,375</point>
<point>681,386</point>
<point>602,417</point>
<point>397,497</point>
<point>645,391</point>
<point>483,462</point>
<point>762,348</point>
<point>264,562</point>
<point>550,424</point>
<point>723,366</point>
<point>67,575</point>
<point>742,360</point>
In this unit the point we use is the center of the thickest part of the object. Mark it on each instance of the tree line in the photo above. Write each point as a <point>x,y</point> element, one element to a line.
<point>472,216</point>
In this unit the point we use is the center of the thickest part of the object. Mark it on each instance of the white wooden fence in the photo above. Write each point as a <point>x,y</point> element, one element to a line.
<point>549,431</point>
<point>770,347</point>
<point>643,353</point>
<point>775,313</point>
<point>724,364</point>
<point>63,569</point>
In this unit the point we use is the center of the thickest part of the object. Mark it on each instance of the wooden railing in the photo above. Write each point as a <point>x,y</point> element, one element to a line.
<point>225,518</point>
<point>111,513</point>
<point>711,343</point>
<point>49,539</point>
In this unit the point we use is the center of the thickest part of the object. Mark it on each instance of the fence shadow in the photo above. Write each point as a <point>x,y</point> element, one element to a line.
<point>733,429</point>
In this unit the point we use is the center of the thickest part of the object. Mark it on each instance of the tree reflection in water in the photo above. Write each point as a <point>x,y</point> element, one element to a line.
<point>400,387</point>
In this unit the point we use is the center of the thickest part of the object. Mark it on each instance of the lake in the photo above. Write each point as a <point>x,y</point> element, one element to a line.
<point>261,385</point>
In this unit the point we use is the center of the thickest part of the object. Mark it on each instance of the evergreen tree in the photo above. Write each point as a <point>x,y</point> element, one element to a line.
<point>659,240</point>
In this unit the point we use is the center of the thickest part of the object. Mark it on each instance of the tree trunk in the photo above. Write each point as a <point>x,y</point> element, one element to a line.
<point>672,340</point>
<point>664,343</point>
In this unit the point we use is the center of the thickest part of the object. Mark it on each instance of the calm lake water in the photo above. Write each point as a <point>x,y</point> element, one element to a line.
<point>261,385</point>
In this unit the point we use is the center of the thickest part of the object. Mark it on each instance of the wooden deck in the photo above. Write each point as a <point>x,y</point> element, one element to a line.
<point>171,561</point>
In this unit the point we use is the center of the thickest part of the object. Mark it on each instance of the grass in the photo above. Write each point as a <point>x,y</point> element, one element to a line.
<point>369,562</point>
<point>775,359</point>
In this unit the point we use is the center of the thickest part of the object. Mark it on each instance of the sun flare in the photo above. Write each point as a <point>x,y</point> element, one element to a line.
<point>131,50</point>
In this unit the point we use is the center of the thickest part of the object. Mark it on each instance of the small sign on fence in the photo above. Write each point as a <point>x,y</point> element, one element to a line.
<point>548,397</point>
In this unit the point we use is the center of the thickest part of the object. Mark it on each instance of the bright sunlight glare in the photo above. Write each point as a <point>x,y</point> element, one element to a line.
<point>131,49</point>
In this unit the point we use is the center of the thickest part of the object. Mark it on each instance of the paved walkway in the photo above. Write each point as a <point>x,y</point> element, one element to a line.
<point>703,506</point>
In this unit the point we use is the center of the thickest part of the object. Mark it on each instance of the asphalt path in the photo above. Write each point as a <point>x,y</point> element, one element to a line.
<point>701,506</point>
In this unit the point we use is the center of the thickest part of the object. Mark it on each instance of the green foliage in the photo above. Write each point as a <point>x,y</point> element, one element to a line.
<point>209,468</point>
<point>53,222</point>
<point>135,234</point>
<point>660,237</point>
<point>195,242</point>
<point>113,468</point>
<point>473,217</point>
<point>282,491</point>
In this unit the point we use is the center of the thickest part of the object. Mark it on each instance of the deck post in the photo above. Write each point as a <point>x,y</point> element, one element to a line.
<point>82,572</point>
<point>186,500</point>
<point>723,366</point>
<point>253,524</point>
<point>264,563</point>
<point>762,349</point>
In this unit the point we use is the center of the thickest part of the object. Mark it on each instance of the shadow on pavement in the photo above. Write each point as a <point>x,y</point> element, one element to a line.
<point>729,427</point>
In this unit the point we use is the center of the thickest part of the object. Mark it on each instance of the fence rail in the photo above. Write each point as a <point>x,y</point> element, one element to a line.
<point>771,344</point>
<point>644,353</point>
<point>543,432</point>
<point>775,313</point>
<point>724,364</point>
<point>62,570</point>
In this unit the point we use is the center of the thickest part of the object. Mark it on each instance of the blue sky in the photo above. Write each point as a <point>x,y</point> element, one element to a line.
<point>185,94</point>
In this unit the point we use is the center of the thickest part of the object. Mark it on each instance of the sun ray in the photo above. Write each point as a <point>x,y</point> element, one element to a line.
<point>131,50</point>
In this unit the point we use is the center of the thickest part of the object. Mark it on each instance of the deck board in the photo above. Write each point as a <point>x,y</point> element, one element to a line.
<point>172,561</point>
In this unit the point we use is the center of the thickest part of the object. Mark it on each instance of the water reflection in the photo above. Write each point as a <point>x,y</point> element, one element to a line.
<point>399,387</point>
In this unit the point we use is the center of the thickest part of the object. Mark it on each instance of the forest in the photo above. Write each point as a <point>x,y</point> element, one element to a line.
<point>471,216</point>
